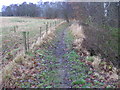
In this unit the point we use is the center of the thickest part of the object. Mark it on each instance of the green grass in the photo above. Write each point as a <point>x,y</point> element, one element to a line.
<point>45,77</point>
<point>108,42</point>
<point>10,38</point>
<point>69,39</point>
<point>89,58</point>
<point>77,82</point>
<point>50,78</point>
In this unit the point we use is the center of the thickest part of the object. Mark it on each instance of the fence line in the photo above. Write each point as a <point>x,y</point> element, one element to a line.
<point>24,39</point>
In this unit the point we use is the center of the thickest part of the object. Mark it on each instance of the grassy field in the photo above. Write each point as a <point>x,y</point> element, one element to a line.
<point>56,64</point>
<point>12,37</point>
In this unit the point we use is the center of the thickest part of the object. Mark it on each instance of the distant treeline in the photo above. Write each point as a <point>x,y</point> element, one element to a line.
<point>104,15</point>
<point>42,9</point>
<point>99,12</point>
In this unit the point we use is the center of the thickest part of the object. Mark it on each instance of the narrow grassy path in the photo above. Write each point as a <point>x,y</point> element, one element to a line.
<point>64,69</point>
<point>58,79</point>
<point>59,51</point>
<point>57,65</point>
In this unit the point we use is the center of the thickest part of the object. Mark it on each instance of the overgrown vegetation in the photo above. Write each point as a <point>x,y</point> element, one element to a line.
<point>12,34</point>
<point>76,54</point>
<point>101,26</point>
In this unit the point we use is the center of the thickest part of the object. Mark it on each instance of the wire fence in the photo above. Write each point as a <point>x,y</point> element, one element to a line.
<point>16,40</point>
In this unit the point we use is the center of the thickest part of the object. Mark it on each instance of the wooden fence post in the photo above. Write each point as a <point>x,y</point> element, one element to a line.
<point>28,40</point>
<point>16,26</point>
<point>55,23</point>
<point>50,24</point>
<point>40,32</point>
<point>25,44</point>
<point>14,29</point>
<point>46,28</point>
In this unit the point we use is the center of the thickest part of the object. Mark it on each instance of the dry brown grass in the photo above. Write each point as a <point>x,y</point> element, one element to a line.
<point>96,41</point>
<point>7,70</point>
<point>25,59</point>
<point>12,42</point>
<point>79,36</point>
<point>46,37</point>
<point>85,40</point>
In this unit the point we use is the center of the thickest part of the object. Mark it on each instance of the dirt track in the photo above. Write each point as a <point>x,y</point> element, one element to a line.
<point>59,50</point>
<point>57,65</point>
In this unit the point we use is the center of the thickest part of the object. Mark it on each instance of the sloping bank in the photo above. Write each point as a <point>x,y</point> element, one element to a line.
<point>62,62</point>
<point>86,47</point>
<point>23,58</point>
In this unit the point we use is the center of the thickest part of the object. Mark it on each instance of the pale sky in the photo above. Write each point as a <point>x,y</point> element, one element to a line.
<point>8,2</point>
